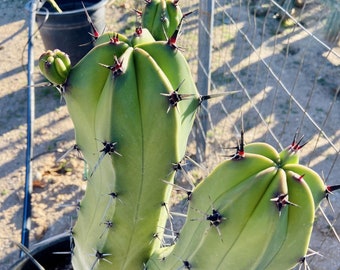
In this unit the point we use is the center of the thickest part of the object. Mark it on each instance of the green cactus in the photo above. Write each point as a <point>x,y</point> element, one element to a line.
<point>133,103</point>
<point>254,211</point>
<point>133,108</point>
<point>55,65</point>
<point>161,17</point>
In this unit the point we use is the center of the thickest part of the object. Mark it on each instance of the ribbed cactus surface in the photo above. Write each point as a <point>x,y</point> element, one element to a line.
<point>131,125</point>
<point>133,102</point>
<point>254,211</point>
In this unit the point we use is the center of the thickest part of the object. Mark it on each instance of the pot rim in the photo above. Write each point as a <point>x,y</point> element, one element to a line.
<point>44,12</point>
<point>40,247</point>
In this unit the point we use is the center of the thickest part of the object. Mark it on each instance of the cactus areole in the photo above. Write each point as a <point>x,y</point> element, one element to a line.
<point>133,103</point>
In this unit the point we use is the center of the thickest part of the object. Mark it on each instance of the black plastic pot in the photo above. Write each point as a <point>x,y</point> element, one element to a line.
<point>69,30</point>
<point>44,253</point>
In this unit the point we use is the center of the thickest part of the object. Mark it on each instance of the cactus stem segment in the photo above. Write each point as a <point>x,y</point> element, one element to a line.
<point>281,201</point>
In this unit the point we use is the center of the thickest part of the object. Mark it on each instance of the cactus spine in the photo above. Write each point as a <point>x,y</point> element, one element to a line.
<point>133,103</point>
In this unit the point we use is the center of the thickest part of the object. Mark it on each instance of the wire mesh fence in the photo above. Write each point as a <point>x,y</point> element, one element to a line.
<point>286,67</point>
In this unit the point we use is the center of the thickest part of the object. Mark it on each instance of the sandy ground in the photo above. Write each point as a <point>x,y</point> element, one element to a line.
<point>58,186</point>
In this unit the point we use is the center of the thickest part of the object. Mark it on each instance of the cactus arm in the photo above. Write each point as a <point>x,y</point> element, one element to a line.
<point>161,17</point>
<point>160,22</point>
<point>279,203</point>
<point>247,194</point>
<point>210,192</point>
<point>147,192</point>
<point>149,13</point>
<point>152,18</point>
<point>174,15</point>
